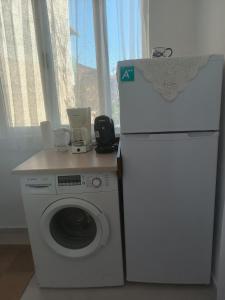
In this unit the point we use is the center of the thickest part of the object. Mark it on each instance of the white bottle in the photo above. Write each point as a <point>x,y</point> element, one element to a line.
<point>47,135</point>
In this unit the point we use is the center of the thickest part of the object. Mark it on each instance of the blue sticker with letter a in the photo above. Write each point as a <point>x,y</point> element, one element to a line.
<point>127,73</point>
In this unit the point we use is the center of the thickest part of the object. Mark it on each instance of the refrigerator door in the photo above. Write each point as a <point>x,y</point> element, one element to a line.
<point>196,108</point>
<point>169,194</point>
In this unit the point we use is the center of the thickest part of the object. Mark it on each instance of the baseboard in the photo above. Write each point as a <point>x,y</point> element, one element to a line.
<point>214,281</point>
<point>13,227</point>
<point>14,235</point>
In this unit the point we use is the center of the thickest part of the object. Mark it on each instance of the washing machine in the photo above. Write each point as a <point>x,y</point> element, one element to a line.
<point>74,229</point>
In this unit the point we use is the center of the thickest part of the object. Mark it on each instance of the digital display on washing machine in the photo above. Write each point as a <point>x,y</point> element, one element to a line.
<point>69,180</point>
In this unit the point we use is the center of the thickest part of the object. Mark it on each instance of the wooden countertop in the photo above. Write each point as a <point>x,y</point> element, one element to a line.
<point>52,161</point>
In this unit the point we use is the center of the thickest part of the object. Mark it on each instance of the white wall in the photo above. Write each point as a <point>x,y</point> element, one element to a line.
<point>12,154</point>
<point>190,27</point>
<point>210,26</point>
<point>173,24</point>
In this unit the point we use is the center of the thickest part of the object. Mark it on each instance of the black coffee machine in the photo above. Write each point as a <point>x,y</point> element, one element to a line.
<point>105,135</point>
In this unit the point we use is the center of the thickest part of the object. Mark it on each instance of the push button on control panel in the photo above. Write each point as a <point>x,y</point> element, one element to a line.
<point>96,182</point>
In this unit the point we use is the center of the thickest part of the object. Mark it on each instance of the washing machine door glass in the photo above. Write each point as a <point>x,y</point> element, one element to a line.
<point>74,227</point>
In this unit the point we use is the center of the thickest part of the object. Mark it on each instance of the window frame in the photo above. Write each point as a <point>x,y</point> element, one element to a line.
<point>46,62</point>
<point>102,57</point>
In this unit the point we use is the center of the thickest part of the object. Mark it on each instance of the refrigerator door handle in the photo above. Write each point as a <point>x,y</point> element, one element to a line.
<point>175,136</point>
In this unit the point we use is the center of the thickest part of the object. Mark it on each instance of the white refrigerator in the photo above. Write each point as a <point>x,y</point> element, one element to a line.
<point>170,111</point>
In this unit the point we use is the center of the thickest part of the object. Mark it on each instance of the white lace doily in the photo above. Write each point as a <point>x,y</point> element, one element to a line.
<point>169,76</point>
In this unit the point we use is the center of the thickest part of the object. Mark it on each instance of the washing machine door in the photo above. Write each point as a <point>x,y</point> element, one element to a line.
<point>74,227</point>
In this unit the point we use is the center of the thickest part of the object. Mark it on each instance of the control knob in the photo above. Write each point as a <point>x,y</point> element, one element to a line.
<point>96,182</point>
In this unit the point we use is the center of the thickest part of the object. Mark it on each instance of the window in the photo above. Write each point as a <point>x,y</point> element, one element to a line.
<point>84,55</point>
<point>61,54</point>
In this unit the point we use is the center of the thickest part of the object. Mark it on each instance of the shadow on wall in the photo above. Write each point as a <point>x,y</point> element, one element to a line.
<point>219,242</point>
<point>12,153</point>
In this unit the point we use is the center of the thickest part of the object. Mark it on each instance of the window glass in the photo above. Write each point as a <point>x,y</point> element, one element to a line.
<point>73,46</point>
<point>84,55</point>
<point>124,41</point>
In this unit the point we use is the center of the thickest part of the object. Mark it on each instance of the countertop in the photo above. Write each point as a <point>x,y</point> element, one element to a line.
<point>52,161</point>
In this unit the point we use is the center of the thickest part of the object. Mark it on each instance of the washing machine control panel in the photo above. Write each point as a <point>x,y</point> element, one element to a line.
<point>96,182</point>
<point>69,180</point>
<point>86,182</point>
<point>69,183</point>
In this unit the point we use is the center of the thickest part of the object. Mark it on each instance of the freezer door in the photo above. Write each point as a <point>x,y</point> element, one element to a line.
<point>196,108</point>
<point>169,193</point>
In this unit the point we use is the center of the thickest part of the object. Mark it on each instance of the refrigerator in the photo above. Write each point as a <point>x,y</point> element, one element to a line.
<point>169,143</point>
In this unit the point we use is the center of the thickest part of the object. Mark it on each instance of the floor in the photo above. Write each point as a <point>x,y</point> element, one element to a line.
<point>130,291</point>
<point>15,236</point>
<point>16,270</point>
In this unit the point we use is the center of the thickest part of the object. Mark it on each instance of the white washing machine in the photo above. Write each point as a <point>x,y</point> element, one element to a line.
<point>74,228</point>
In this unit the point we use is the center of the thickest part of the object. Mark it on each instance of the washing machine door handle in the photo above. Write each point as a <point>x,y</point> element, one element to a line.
<point>105,229</point>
